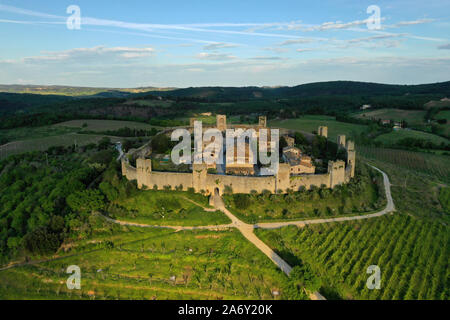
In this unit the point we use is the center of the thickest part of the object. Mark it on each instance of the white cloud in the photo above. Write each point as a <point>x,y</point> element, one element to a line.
<point>94,54</point>
<point>412,22</point>
<point>269,58</point>
<point>276,49</point>
<point>377,37</point>
<point>214,56</point>
<point>336,25</point>
<point>220,45</point>
<point>296,41</point>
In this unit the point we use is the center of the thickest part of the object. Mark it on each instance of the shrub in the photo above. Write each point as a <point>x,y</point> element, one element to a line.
<point>241,201</point>
<point>41,241</point>
<point>228,190</point>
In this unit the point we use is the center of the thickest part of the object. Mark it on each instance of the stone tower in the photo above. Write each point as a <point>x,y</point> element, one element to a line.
<point>283,181</point>
<point>262,121</point>
<point>341,141</point>
<point>351,157</point>
<point>143,172</point>
<point>323,131</point>
<point>199,172</point>
<point>221,122</point>
<point>336,170</point>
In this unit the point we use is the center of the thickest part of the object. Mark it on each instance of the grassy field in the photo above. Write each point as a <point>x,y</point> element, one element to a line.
<point>364,194</point>
<point>412,117</point>
<point>61,134</point>
<point>42,144</point>
<point>104,125</point>
<point>395,136</point>
<point>412,256</point>
<point>206,120</point>
<point>311,123</point>
<point>164,208</point>
<point>133,263</point>
<point>27,133</point>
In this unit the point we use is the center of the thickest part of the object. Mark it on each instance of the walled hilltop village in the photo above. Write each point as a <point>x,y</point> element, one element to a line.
<point>294,173</point>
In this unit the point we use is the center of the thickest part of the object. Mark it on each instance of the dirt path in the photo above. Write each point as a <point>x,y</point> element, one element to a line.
<point>390,207</point>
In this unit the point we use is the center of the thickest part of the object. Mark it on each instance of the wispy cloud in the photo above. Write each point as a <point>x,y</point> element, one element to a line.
<point>268,58</point>
<point>412,22</point>
<point>296,41</point>
<point>444,47</point>
<point>377,37</point>
<point>94,54</point>
<point>214,56</point>
<point>220,45</point>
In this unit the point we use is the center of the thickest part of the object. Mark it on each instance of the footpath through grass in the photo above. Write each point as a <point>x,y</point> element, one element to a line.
<point>174,208</point>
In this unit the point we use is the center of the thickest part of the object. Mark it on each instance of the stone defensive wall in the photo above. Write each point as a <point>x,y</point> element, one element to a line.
<point>200,180</point>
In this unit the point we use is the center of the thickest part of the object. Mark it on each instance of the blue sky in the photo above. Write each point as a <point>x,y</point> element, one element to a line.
<point>229,43</point>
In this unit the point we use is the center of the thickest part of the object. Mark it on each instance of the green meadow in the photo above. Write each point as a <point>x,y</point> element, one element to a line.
<point>362,195</point>
<point>397,135</point>
<point>311,123</point>
<point>103,125</point>
<point>166,208</point>
<point>42,144</point>
<point>412,117</point>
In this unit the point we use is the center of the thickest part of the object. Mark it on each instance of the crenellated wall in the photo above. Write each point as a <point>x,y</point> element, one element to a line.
<point>207,183</point>
<point>339,172</point>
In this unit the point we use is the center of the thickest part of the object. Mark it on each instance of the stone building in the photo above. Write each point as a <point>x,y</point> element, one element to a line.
<point>289,140</point>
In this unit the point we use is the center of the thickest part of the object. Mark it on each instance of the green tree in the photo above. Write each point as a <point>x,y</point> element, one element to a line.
<point>86,201</point>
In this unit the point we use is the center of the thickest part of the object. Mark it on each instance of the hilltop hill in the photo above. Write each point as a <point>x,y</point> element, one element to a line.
<point>241,93</point>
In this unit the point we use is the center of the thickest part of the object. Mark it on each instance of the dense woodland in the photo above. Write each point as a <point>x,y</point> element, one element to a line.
<point>46,197</point>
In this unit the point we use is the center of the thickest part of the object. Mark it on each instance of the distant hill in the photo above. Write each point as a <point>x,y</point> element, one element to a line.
<point>308,90</point>
<point>77,91</point>
<point>242,93</point>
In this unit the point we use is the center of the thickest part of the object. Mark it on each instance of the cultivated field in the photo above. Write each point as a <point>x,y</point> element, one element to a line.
<point>104,125</point>
<point>311,123</point>
<point>412,117</point>
<point>397,135</point>
<point>42,144</point>
<point>413,266</point>
<point>417,163</point>
<point>133,263</point>
<point>417,179</point>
